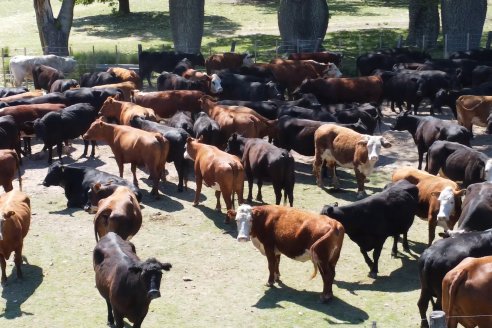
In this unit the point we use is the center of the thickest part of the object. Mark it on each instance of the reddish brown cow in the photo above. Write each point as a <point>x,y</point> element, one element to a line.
<point>475,110</point>
<point>120,213</point>
<point>44,76</point>
<point>15,218</point>
<point>23,96</point>
<point>9,166</point>
<point>238,119</point>
<point>298,234</point>
<point>124,111</point>
<point>218,170</point>
<point>439,198</point>
<point>135,146</point>
<point>166,103</point>
<point>126,75</point>
<point>321,57</point>
<point>126,87</point>
<point>466,291</point>
<point>227,60</point>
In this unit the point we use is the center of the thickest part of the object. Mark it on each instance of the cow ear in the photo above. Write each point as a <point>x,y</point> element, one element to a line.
<point>362,142</point>
<point>435,193</point>
<point>135,269</point>
<point>461,193</point>
<point>9,214</point>
<point>166,266</point>
<point>234,136</point>
<point>110,100</point>
<point>200,139</point>
<point>96,187</point>
<point>385,143</point>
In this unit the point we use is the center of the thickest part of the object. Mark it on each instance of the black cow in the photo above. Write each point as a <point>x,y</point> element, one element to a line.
<point>78,182</point>
<point>481,74</point>
<point>6,92</point>
<point>368,222</point>
<point>402,88</point>
<point>254,91</point>
<point>366,114</point>
<point>296,134</point>
<point>457,162</point>
<point>265,162</point>
<point>63,85</point>
<point>95,97</point>
<point>149,62</point>
<point>126,283</point>
<point>98,78</point>
<point>10,135</point>
<point>481,54</point>
<point>386,59</point>
<point>426,130</point>
<point>440,258</point>
<point>462,68</point>
<point>183,65</point>
<point>448,98</point>
<point>306,113</point>
<point>268,108</point>
<point>68,123</point>
<point>171,81</point>
<point>52,98</point>
<point>207,128</point>
<point>258,71</point>
<point>44,76</point>
<point>177,142</point>
<point>182,120</point>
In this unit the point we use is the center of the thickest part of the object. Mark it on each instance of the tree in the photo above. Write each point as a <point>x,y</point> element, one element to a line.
<point>54,32</point>
<point>423,23</point>
<point>123,5</point>
<point>303,20</point>
<point>187,18</point>
<point>460,17</point>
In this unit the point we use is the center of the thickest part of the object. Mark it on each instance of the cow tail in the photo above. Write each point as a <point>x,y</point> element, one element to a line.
<point>235,173</point>
<point>17,164</point>
<point>474,107</point>
<point>333,232</point>
<point>453,290</point>
<point>96,222</point>
<point>162,144</point>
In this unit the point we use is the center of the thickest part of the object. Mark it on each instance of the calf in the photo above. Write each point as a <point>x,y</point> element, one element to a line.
<point>67,123</point>
<point>98,78</point>
<point>167,103</point>
<point>126,283</point>
<point>439,198</point>
<point>177,142</point>
<point>321,57</point>
<point>181,120</point>
<point>21,66</point>
<point>368,222</point>
<point>208,129</point>
<point>62,85</point>
<point>169,81</point>
<point>440,258</point>
<point>252,88</point>
<point>183,65</point>
<point>125,87</point>
<point>15,218</point>
<point>218,170</point>
<point>306,113</point>
<point>466,293</point>
<point>44,76</point>
<point>9,166</point>
<point>123,112</point>
<point>458,163</point>
<point>341,146</point>
<point>474,110</point>
<point>123,75</point>
<point>229,60</point>
<point>78,182</point>
<point>119,213</point>
<point>300,235</point>
<point>264,161</point>
<point>426,130</point>
<point>131,145</point>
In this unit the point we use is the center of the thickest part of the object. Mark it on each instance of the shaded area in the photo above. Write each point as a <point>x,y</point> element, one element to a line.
<point>335,308</point>
<point>17,291</point>
<point>355,8</point>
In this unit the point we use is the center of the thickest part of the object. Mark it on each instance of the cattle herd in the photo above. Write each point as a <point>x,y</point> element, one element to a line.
<point>239,121</point>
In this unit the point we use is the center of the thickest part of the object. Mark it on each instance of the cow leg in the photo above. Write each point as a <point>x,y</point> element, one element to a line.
<point>361,178</point>
<point>421,156</point>
<point>334,178</point>
<point>110,314</point>
<point>120,167</point>
<point>218,206</point>
<point>278,193</point>
<point>272,263</point>
<point>59,149</point>
<point>250,188</point>
<point>93,151</point>
<point>198,181</point>
<point>367,258</point>
<point>8,186</point>
<point>394,250</point>
<point>375,256</point>
<point>318,162</point>
<point>423,305</point>
<point>118,318</point>
<point>86,147</point>
<point>259,196</point>
<point>432,230</point>
<point>50,155</point>
<point>3,264</point>
<point>179,169</point>
<point>405,242</point>
<point>18,262</point>
<point>277,268</point>
<point>133,168</point>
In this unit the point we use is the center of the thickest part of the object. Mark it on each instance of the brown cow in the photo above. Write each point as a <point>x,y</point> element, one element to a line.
<point>466,291</point>
<point>342,146</point>
<point>298,234</point>
<point>23,96</point>
<point>124,111</point>
<point>474,110</point>
<point>238,119</point>
<point>218,170</point>
<point>126,283</point>
<point>166,103</point>
<point>15,218</point>
<point>120,213</point>
<point>126,75</point>
<point>439,198</point>
<point>126,87</point>
<point>44,76</point>
<point>227,60</point>
<point>9,165</point>
<point>63,85</point>
<point>321,57</point>
<point>135,146</point>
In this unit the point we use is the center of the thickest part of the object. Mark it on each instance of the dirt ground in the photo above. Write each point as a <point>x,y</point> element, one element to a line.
<point>215,281</point>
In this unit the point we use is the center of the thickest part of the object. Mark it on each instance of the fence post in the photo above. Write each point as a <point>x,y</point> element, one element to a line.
<point>297,45</point>
<point>467,41</point>
<point>93,50</point>
<point>276,48</point>
<point>210,50</point>
<point>437,319</point>
<point>317,44</point>
<point>255,49</point>
<point>423,42</point>
<point>117,54</point>
<point>374,324</point>
<point>233,46</point>
<point>380,39</point>
<point>399,42</point>
<point>445,46</point>
<point>139,49</point>
<point>360,44</point>
<point>3,69</point>
<point>489,40</point>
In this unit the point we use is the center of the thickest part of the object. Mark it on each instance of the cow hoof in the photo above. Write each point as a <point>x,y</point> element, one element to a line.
<point>367,180</point>
<point>394,255</point>
<point>180,189</point>
<point>249,200</point>
<point>361,194</point>
<point>372,275</point>
<point>325,298</point>
<point>269,284</point>
<point>218,209</point>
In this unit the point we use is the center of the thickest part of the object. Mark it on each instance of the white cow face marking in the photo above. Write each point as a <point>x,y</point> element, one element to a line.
<point>332,71</point>
<point>2,220</point>
<point>215,85</point>
<point>446,207</point>
<point>488,171</point>
<point>248,60</point>
<point>374,144</point>
<point>244,222</point>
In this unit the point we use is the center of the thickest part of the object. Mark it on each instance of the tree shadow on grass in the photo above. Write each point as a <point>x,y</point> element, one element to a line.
<point>218,218</point>
<point>335,308</point>
<point>357,8</point>
<point>16,292</point>
<point>68,211</point>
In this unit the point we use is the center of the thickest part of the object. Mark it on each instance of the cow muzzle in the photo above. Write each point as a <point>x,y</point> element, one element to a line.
<point>153,294</point>
<point>373,158</point>
<point>243,239</point>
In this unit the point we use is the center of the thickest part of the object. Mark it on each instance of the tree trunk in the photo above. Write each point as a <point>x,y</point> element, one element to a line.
<point>187,17</point>
<point>54,32</point>
<point>423,27</point>
<point>460,17</point>
<point>124,7</point>
<point>302,24</point>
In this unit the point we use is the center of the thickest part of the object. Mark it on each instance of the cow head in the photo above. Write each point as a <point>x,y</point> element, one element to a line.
<point>206,103</point>
<point>244,221</point>
<point>95,131</point>
<point>150,274</point>
<point>248,59</point>
<point>55,175</point>
<point>373,144</point>
<point>488,170</point>
<point>449,206</point>
<point>235,145</point>
<point>215,84</point>
<point>332,71</point>
<point>402,121</point>
<point>191,148</point>
<point>109,109</point>
<point>5,216</point>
